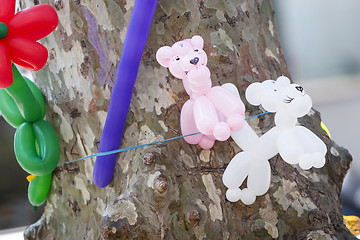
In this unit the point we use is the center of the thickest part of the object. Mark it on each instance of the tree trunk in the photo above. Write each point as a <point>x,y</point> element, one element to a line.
<point>172,190</point>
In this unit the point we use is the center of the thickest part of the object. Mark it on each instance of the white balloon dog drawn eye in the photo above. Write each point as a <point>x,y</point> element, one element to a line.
<point>300,88</point>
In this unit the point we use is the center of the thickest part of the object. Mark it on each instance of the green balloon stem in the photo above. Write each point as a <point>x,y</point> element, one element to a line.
<point>44,162</point>
<point>10,110</point>
<point>39,189</point>
<point>37,148</point>
<point>24,98</point>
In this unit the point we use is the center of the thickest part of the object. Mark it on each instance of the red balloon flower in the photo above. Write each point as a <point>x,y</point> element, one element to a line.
<point>18,36</point>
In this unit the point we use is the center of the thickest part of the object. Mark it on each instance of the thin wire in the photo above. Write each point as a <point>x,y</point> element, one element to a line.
<point>143,145</point>
<point>126,149</point>
<point>255,116</point>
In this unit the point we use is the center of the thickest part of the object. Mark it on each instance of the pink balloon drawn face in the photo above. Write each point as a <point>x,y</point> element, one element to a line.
<point>183,56</point>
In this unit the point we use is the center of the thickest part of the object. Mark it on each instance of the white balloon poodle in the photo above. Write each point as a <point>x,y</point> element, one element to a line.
<point>295,144</point>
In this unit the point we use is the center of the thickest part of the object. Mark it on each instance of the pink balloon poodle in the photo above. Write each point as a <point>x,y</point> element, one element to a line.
<point>212,111</point>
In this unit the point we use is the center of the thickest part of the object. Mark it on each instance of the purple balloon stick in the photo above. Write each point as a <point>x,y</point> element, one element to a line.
<point>132,51</point>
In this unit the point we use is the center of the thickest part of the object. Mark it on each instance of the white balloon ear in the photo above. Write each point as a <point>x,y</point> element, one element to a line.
<point>270,101</point>
<point>164,55</point>
<point>253,93</point>
<point>197,41</point>
<point>283,80</point>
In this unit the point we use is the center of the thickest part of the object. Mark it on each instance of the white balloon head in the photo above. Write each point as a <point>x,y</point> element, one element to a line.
<point>289,101</point>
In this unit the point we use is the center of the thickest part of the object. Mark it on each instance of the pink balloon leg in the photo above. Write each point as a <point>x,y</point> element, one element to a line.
<point>205,115</point>
<point>229,105</point>
<point>187,123</point>
<point>206,142</point>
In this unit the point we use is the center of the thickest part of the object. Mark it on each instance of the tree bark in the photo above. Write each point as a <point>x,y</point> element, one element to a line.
<point>172,190</point>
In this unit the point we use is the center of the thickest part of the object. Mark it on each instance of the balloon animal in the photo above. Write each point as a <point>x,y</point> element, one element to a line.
<point>295,144</point>
<point>213,111</point>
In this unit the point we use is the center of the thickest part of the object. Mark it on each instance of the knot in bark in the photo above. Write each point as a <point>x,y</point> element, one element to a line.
<point>150,157</point>
<point>194,217</point>
<point>161,184</point>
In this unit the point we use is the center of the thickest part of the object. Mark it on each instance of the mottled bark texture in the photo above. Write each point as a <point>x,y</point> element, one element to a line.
<point>172,190</point>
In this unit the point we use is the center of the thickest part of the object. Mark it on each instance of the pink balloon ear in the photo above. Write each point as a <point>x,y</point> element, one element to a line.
<point>164,55</point>
<point>197,41</point>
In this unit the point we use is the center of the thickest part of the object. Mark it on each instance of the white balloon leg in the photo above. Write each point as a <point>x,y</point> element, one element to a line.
<point>237,170</point>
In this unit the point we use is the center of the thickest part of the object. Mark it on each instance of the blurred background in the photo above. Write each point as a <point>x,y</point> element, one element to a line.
<point>320,40</point>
